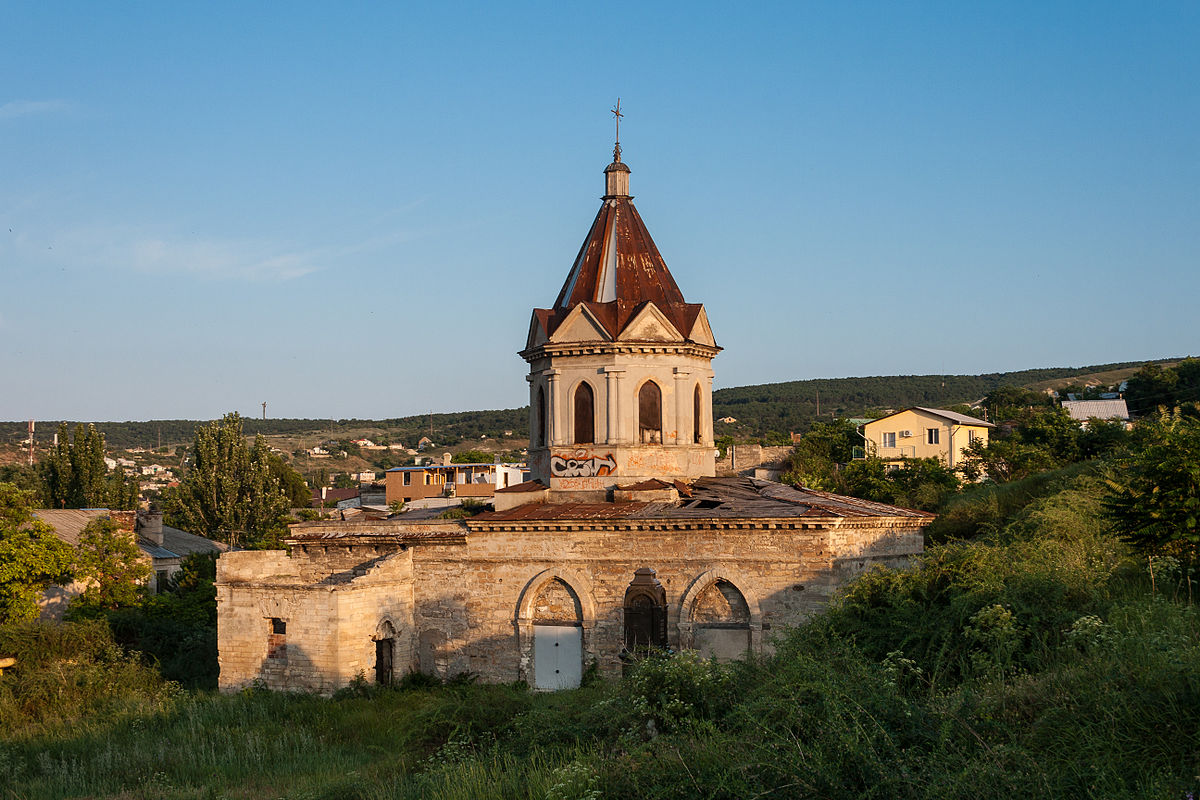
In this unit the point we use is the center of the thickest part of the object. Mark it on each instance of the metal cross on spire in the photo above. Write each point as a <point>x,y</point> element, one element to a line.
<point>616,111</point>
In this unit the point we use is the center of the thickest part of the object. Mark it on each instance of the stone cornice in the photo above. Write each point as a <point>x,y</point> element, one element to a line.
<point>810,524</point>
<point>555,349</point>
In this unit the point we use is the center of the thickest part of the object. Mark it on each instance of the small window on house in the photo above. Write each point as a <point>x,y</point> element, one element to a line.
<point>931,435</point>
<point>972,436</point>
<point>408,479</point>
<point>650,413</point>
<point>585,415</point>
<point>541,417</point>
<point>889,439</point>
<point>428,479</point>
<point>278,626</point>
<point>161,581</point>
<point>696,415</point>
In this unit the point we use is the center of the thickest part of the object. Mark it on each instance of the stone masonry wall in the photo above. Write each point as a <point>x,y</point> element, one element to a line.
<point>475,604</point>
<point>328,624</point>
<point>457,607</point>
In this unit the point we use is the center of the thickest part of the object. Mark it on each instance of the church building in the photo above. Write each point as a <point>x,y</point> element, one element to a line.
<point>623,538</point>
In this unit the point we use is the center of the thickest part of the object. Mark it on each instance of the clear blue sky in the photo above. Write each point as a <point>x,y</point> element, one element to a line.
<point>349,210</point>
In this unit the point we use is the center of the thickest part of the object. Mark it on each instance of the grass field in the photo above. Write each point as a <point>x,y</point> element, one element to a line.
<point>1033,661</point>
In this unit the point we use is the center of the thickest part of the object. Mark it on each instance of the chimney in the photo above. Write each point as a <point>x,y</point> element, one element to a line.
<point>150,526</point>
<point>447,459</point>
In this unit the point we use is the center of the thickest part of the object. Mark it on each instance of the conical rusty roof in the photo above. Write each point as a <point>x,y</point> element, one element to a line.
<point>619,269</point>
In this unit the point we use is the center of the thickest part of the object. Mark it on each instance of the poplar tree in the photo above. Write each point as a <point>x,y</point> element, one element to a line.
<point>75,475</point>
<point>229,492</point>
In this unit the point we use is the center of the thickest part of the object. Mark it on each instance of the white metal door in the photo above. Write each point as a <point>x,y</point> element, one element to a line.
<point>557,657</point>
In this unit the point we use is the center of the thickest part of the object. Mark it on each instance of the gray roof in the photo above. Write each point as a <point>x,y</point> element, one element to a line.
<point>1101,409</point>
<point>953,416</point>
<point>183,543</point>
<point>68,523</point>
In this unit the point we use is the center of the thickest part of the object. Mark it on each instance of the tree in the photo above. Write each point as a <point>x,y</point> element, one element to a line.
<point>109,561</point>
<point>31,556</point>
<point>1154,502</point>
<point>229,493</point>
<point>816,461</point>
<point>472,457</point>
<point>1006,402</point>
<point>292,482</point>
<point>75,475</point>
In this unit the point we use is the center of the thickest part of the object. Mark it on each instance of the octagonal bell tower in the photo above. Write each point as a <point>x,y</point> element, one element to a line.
<point>620,369</point>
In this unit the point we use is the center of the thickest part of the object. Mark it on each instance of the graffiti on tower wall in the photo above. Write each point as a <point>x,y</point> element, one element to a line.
<point>582,464</point>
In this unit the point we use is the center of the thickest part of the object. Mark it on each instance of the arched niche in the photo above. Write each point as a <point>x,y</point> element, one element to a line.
<point>650,420</point>
<point>584,414</point>
<point>645,612</point>
<point>540,433</point>
<point>718,617</point>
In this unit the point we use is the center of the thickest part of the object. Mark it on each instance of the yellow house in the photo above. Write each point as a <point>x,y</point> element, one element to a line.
<point>924,433</point>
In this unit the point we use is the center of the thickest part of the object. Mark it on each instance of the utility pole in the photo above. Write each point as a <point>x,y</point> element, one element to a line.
<point>31,443</point>
<point>818,402</point>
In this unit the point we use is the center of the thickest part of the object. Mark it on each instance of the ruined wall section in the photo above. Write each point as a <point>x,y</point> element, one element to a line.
<point>277,626</point>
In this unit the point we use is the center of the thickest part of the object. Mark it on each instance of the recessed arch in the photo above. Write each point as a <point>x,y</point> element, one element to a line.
<point>695,630</point>
<point>649,406</point>
<point>540,434</point>
<point>584,412</point>
<point>697,405</point>
<point>578,584</point>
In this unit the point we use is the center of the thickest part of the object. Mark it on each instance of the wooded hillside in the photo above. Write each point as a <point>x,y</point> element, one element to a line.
<point>780,407</point>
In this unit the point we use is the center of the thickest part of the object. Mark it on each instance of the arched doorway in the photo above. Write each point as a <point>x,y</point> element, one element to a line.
<point>385,653</point>
<point>645,612</point>
<point>721,621</point>
<point>557,637</point>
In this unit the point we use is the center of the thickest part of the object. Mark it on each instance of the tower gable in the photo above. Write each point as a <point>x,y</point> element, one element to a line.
<point>538,333</point>
<point>701,332</point>
<point>650,325</point>
<point>580,325</point>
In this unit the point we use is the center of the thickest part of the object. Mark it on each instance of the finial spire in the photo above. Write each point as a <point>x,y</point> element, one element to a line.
<point>616,111</point>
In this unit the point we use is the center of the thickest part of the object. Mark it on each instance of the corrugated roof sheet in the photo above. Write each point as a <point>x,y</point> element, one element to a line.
<point>68,523</point>
<point>1101,409</point>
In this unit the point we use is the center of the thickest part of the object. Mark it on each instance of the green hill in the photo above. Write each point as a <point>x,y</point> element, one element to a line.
<point>792,406</point>
<point>780,407</point>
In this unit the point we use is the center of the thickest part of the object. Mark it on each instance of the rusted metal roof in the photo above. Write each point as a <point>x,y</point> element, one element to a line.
<point>562,511</point>
<point>619,270</point>
<point>713,498</point>
<point>525,486</point>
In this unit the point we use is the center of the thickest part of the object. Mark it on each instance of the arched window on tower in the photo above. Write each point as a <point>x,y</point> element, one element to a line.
<point>541,417</point>
<point>650,413</point>
<point>585,415</point>
<point>696,415</point>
